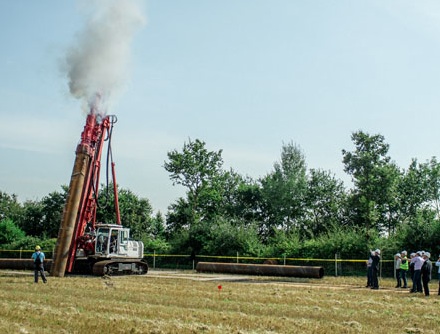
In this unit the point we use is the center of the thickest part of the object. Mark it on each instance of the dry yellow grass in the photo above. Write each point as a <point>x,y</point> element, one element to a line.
<point>184,302</point>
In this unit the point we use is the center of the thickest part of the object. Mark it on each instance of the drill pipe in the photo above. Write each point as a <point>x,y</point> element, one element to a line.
<point>261,269</point>
<point>70,213</point>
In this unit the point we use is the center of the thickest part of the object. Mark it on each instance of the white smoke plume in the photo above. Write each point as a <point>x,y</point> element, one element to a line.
<point>97,65</point>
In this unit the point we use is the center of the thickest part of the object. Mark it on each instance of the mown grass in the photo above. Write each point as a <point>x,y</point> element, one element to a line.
<point>192,303</point>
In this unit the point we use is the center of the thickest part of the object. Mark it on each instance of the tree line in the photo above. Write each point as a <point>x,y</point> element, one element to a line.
<point>291,211</point>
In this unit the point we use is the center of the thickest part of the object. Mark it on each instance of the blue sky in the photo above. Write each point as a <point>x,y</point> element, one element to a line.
<point>243,76</point>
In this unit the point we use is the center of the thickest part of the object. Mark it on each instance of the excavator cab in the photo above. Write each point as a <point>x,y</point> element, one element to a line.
<point>116,253</point>
<point>113,241</point>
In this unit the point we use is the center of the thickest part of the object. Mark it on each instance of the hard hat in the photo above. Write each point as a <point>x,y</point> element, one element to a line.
<point>427,254</point>
<point>37,248</point>
<point>404,252</point>
<point>377,251</point>
<point>397,254</point>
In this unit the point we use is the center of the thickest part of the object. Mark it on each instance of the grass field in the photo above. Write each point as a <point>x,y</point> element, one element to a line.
<point>186,302</point>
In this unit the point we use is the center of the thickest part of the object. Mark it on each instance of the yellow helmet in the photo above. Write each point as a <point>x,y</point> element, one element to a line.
<point>37,248</point>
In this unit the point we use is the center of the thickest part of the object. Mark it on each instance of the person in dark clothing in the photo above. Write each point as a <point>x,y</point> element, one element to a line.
<point>369,272</point>
<point>411,270</point>
<point>38,258</point>
<point>375,257</point>
<point>426,273</point>
<point>398,262</point>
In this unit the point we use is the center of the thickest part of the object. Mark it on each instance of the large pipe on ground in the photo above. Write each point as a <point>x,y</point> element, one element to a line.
<point>22,264</point>
<point>261,269</point>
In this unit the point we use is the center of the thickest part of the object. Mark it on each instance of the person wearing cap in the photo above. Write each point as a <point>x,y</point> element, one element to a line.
<point>437,264</point>
<point>38,258</point>
<point>404,269</point>
<point>375,257</point>
<point>417,280</point>
<point>398,262</point>
<point>426,272</point>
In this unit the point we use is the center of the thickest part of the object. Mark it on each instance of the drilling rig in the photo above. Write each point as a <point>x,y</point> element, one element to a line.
<point>84,245</point>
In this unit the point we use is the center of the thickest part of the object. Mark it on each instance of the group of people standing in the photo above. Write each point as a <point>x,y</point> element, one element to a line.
<point>418,267</point>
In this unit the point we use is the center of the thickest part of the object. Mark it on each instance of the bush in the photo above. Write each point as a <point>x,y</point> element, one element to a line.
<point>285,244</point>
<point>9,232</point>
<point>29,243</point>
<point>419,234</point>
<point>348,243</point>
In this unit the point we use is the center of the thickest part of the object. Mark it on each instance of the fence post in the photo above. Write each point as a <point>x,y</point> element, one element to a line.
<point>284,259</point>
<point>237,257</point>
<point>336,264</point>
<point>154,259</point>
<point>20,252</point>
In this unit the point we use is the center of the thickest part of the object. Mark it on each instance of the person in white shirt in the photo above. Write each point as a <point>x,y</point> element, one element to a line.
<point>418,263</point>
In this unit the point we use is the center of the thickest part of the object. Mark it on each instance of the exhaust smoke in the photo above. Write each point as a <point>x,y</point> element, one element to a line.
<point>97,64</point>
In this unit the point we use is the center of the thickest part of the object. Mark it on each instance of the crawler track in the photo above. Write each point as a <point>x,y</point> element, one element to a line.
<point>120,267</point>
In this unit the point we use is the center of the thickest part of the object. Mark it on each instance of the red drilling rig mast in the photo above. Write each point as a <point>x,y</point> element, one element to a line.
<point>83,244</point>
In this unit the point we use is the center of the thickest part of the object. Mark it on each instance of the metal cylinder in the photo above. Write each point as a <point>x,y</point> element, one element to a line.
<point>70,213</point>
<point>22,264</point>
<point>261,269</point>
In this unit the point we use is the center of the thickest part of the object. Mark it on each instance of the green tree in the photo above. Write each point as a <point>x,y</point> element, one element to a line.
<point>198,170</point>
<point>421,232</point>
<point>43,218</point>
<point>284,191</point>
<point>225,237</point>
<point>136,213</point>
<point>52,207</point>
<point>432,172</point>
<point>178,217</point>
<point>325,202</point>
<point>375,180</point>
<point>9,232</point>
<point>10,208</point>
<point>155,238</point>
<point>412,191</point>
<point>32,222</point>
<point>243,199</point>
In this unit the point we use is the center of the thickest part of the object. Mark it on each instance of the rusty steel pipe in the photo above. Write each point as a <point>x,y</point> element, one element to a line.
<point>67,228</point>
<point>261,269</point>
<point>22,264</point>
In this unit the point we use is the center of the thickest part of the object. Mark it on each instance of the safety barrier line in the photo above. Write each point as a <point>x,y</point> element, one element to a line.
<point>229,257</point>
